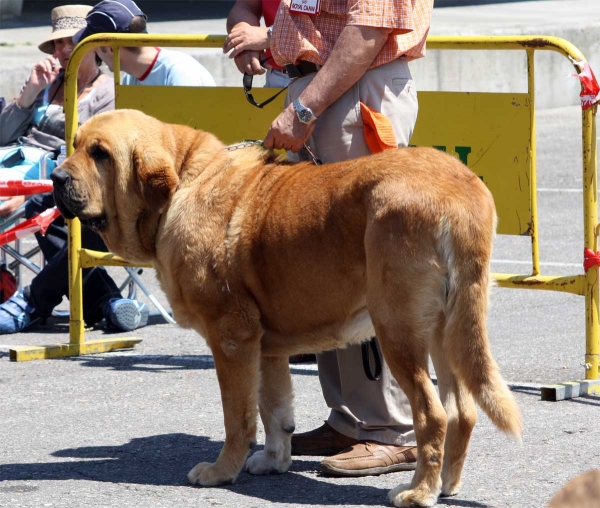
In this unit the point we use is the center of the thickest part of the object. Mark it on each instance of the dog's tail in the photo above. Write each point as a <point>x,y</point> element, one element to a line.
<point>468,251</point>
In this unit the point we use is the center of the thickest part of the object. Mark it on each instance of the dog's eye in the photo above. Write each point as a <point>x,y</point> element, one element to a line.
<point>98,153</point>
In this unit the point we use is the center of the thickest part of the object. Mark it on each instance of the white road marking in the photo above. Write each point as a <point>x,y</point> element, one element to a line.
<point>542,263</point>
<point>549,189</point>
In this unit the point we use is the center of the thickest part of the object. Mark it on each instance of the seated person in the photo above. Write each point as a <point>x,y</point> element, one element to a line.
<point>36,119</point>
<point>142,65</point>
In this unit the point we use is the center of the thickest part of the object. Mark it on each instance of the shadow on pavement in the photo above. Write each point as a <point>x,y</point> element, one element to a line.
<point>146,363</point>
<point>526,390</point>
<point>166,459</point>
<point>457,502</point>
<point>589,400</point>
<point>153,460</point>
<point>158,363</point>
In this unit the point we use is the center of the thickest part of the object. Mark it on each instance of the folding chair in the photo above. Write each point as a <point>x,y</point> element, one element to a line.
<point>23,259</point>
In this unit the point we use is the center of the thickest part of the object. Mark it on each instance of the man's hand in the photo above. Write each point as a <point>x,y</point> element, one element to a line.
<point>288,132</point>
<point>43,74</point>
<point>249,62</point>
<point>244,37</point>
<point>353,53</point>
<point>10,205</point>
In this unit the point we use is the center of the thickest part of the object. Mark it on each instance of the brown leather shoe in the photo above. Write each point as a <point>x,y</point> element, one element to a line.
<point>322,441</point>
<point>369,458</point>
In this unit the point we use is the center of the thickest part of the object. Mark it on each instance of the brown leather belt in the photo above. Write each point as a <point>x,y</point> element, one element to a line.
<point>303,68</point>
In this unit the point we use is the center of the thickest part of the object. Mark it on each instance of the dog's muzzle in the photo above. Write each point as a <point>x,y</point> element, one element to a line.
<point>62,182</point>
<point>70,203</point>
<point>69,199</point>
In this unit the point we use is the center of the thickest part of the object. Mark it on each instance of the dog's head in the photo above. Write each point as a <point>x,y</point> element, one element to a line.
<point>120,178</point>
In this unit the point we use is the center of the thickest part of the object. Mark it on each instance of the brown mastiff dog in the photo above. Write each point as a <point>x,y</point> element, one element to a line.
<point>265,259</point>
<point>583,491</point>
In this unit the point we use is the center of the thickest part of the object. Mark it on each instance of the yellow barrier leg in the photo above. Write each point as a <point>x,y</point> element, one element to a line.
<point>590,203</point>
<point>77,344</point>
<point>591,383</point>
<point>76,324</point>
<point>90,347</point>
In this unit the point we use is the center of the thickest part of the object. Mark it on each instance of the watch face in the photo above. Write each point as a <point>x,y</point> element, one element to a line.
<point>305,115</point>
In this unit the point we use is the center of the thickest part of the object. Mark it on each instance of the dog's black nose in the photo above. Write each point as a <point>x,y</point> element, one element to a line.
<point>60,177</point>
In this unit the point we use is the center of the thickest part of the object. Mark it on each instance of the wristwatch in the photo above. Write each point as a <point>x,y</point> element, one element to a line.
<point>305,115</point>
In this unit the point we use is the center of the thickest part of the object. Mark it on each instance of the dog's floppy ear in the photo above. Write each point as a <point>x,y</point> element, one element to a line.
<point>156,175</point>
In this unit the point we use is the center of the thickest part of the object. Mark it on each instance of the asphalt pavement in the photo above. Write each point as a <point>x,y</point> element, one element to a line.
<point>123,429</point>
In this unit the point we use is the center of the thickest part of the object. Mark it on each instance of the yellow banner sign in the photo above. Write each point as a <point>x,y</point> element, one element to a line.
<point>490,132</point>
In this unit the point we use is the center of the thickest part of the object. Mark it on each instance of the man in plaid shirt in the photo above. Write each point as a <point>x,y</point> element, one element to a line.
<point>350,58</point>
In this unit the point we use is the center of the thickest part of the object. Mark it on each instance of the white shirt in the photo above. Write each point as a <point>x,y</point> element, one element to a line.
<point>174,68</point>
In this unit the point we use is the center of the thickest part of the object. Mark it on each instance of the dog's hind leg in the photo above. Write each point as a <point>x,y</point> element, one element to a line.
<point>462,416</point>
<point>406,356</point>
<point>275,405</point>
<point>237,362</point>
<point>405,301</point>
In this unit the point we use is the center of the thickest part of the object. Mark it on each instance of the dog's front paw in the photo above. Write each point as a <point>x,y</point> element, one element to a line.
<point>403,495</point>
<point>263,462</point>
<point>208,474</point>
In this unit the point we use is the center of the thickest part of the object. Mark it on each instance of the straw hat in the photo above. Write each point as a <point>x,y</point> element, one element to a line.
<point>67,20</point>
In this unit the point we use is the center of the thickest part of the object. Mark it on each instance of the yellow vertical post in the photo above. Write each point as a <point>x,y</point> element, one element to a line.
<point>76,325</point>
<point>117,64</point>
<point>535,247</point>
<point>590,222</point>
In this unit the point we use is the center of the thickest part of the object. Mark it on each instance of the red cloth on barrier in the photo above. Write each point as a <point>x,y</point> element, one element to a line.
<point>590,89</point>
<point>38,223</point>
<point>590,258</point>
<point>24,187</point>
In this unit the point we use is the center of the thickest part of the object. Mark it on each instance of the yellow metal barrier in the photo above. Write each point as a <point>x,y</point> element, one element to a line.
<point>514,189</point>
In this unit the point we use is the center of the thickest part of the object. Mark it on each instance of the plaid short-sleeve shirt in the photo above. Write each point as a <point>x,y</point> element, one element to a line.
<point>299,37</point>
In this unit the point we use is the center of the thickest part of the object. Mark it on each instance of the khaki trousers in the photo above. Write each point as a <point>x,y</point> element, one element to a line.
<point>360,408</point>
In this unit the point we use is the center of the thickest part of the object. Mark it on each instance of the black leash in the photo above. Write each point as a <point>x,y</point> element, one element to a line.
<point>247,81</point>
<point>248,87</point>
<point>367,359</point>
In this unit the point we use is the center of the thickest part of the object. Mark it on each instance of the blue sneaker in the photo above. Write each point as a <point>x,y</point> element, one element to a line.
<point>16,314</point>
<point>125,315</point>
